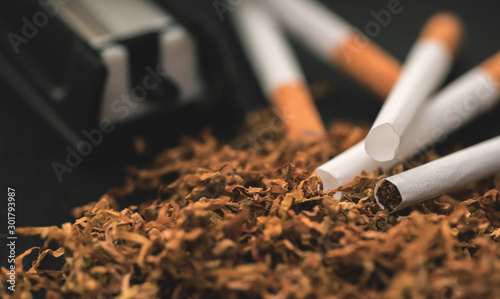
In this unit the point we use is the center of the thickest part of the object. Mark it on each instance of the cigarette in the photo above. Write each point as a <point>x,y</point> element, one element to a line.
<point>475,92</point>
<point>278,71</point>
<point>336,41</point>
<point>438,177</point>
<point>426,67</point>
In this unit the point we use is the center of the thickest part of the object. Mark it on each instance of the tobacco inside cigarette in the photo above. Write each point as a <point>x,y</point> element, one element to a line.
<point>479,86</point>
<point>278,71</point>
<point>388,195</point>
<point>439,176</point>
<point>336,41</point>
<point>426,67</point>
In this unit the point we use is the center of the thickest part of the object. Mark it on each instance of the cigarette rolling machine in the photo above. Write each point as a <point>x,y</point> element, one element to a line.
<point>93,64</point>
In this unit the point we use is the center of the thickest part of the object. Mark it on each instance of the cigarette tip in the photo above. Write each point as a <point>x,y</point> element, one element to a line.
<point>329,181</point>
<point>447,27</point>
<point>388,196</point>
<point>492,67</point>
<point>382,143</point>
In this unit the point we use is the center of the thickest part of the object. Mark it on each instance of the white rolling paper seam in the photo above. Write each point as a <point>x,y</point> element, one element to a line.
<point>450,172</point>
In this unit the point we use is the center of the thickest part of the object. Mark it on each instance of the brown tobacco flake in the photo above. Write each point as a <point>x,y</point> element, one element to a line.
<point>247,220</point>
<point>388,195</point>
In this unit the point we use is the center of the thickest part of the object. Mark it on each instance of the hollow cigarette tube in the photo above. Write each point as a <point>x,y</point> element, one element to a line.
<point>277,70</point>
<point>345,167</point>
<point>440,176</point>
<point>336,41</point>
<point>475,92</point>
<point>426,67</point>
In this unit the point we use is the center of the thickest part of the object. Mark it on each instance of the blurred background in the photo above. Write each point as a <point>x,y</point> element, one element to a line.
<point>28,145</point>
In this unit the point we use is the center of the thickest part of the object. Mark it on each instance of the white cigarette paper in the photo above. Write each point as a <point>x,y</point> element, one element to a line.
<point>277,70</point>
<point>321,29</point>
<point>425,69</point>
<point>337,42</point>
<point>473,93</point>
<point>266,47</point>
<point>445,174</point>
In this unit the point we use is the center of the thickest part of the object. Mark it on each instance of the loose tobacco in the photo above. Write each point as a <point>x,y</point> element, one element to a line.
<point>246,220</point>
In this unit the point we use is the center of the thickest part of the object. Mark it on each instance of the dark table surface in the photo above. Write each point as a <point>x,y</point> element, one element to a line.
<point>28,145</point>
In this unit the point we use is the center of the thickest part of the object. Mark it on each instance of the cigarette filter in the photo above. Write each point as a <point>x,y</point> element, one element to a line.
<point>277,70</point>
<point>426,67</point>
<point>440,176</point>
<point>336,41</point>
<point>475,92</point>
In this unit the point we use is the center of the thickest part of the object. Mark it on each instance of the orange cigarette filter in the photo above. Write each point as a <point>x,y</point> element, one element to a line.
<point>492,68</point>
<point>369,64</point>
<point>278,71</point>
<point>377,69</point>
<point>298,112</point>
<point>336,41</point>
<point>446,28</point>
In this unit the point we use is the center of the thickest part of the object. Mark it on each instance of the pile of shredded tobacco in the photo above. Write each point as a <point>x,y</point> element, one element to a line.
<point>246,219</point>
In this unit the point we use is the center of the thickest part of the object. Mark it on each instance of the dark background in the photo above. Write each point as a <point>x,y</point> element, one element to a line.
<point>28,145</point>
